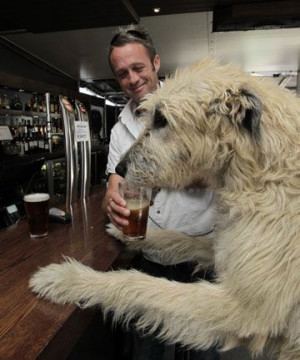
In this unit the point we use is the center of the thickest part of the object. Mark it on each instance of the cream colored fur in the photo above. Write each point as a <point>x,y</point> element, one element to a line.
<point>241,135</point>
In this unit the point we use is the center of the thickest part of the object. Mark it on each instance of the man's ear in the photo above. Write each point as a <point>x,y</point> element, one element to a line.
<point>156,63</point>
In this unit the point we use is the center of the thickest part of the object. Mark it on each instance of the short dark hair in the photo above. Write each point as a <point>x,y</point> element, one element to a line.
<point>132,34</point>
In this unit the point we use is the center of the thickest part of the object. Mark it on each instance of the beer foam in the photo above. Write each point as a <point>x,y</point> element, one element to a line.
<point>36,197</point>
<point>135,204</point>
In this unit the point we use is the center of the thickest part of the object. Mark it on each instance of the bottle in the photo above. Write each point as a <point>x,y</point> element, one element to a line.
<point>30,137</point>
<point>25,138</point>
<point>41,136</point>
<point>34,103</point>
<point>46,143</point>
<point>12,127</point>
<point>28,105</point>
<point>54,126</point>
<point>40,103</point>
<point>17,102</point>
<point>35,133</point>
<point>56,104</point>
<point>18,137</point>
<point>5,102</point>
<point>51,104</point>
<point>43,102</point>
<point>20,130</point>
<point>12,104</point>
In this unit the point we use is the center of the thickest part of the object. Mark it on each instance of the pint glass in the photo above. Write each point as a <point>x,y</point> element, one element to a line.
<point>37,213</point>
<point>137,201</point>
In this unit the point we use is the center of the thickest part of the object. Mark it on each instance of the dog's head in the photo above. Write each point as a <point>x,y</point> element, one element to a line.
<point>202,121</point>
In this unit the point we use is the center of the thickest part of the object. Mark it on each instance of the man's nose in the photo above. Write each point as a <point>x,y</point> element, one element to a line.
<point>121,168</point>
<point>133,77</point>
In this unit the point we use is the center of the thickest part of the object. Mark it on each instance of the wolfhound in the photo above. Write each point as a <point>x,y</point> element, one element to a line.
<point>240,135</point>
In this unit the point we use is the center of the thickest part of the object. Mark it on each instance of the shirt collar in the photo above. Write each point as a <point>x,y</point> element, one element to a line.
<point>128,118</point>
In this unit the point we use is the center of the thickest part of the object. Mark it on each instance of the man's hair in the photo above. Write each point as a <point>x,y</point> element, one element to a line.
<point>132,34</point>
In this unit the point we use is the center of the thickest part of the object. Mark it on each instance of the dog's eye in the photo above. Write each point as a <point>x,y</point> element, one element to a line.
<point>159,120</point>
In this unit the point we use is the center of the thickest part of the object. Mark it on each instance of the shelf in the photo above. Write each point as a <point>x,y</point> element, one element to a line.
<point>27,113</point>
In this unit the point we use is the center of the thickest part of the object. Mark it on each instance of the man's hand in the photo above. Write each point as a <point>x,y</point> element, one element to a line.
<point>116,210</point>
<point>113,204</point>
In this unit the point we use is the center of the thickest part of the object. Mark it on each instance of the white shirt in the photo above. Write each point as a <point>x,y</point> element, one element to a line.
<point>187,211</point>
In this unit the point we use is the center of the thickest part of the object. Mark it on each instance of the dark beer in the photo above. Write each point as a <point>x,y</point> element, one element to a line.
<point>37,213</point>
<point>137,219</point>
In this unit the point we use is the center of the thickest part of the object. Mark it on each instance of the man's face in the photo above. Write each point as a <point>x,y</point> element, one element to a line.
<point>133,70</point>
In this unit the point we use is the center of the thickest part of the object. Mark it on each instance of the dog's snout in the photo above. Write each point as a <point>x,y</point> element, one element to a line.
<point>121,168</point>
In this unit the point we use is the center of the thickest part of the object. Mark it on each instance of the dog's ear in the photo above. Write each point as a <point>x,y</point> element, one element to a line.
<point>243,109</point>
<point>252,112</point>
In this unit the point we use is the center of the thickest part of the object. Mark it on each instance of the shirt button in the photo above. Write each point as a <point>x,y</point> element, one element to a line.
<point>158,212</point>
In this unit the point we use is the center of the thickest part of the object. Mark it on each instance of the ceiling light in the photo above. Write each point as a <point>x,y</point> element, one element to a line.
<point>156,10</point>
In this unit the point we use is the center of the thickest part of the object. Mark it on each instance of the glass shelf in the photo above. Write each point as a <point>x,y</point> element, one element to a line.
<point>27,113</point>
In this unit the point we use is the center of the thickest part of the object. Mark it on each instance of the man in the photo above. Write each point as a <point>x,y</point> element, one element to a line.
<point>135,64</point>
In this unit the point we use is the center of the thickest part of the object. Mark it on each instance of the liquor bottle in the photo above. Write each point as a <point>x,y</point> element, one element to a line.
<point>12,127</point>
<point>47,135</point>
<point>40,103</point>
<point>54,125</point>
<point>30,137</point>
<point>56,104</point>
<point>31,143</point>
<point>5,102</point>
<point>19,138</point>
<point>43,102</point>
<point>41,139</point>
<point>12,104</point>
<point>34,103</point>
<point>35,134</point>
<point>25,138</point>
<point>28,105</point>
<point>17,102</point>
<point>20,130</point>
<point>59,126</point>
<point>46,144</point>
<point>51,104</point>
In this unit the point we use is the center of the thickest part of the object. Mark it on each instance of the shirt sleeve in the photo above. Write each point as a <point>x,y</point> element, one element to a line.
<point>114,153</point>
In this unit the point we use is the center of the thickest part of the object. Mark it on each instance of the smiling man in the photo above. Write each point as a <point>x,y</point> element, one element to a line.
<point>135,64</point>
<point>134,70</point>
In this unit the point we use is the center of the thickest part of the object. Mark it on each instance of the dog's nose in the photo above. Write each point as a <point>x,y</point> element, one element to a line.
<point>121,168</point>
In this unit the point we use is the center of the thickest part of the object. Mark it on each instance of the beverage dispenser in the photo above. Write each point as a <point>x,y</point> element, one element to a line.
<point>78,158</point>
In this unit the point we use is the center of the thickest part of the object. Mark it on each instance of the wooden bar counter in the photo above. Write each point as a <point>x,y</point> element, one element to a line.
<point>37,329</point>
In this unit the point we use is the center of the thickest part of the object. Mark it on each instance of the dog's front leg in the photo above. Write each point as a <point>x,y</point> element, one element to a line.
<point>171,247</point>
<point>195,315</point>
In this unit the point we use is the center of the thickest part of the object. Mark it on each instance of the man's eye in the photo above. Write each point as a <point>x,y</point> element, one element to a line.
<point>122,75</point>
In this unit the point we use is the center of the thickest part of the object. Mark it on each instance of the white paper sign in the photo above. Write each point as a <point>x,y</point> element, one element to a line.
<point>5,133</point>
<point>82,131</point>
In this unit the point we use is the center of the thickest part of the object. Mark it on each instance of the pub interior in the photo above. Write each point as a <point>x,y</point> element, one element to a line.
<point>55,50</point>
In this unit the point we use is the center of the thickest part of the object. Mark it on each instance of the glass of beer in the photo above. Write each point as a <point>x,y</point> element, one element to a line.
<point>37,213</point>
<point>137,201</point>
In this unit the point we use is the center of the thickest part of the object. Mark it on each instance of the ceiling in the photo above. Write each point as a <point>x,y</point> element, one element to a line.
<point>73,37</point>
<point>39,16</point>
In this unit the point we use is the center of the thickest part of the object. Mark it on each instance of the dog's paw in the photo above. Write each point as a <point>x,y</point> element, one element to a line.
<point>118,234</point>
<point>57,282</point>
<point>112,230</point>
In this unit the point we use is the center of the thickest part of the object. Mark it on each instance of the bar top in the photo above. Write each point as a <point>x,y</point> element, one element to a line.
<point>32,328</point>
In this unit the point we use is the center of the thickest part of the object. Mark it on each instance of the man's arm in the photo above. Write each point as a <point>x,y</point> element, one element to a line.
<point>113,204</point>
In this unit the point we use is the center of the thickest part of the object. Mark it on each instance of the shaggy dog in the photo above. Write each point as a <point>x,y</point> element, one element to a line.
<point>241,136</point>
